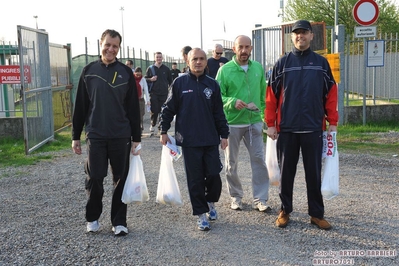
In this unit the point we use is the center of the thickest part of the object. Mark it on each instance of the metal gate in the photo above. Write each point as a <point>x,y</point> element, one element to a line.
<point>34,58</point>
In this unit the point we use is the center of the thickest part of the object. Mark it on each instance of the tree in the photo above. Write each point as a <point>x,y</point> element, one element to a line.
<point>324,10</point>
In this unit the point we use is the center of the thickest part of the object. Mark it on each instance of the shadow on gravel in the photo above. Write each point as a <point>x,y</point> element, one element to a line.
<point>42,220</point>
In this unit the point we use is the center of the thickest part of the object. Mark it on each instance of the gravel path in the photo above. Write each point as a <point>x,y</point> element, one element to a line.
<point>42,220</point>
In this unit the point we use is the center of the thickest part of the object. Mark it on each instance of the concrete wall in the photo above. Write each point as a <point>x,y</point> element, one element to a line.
<point>11,127</point>
<point>374,113</point>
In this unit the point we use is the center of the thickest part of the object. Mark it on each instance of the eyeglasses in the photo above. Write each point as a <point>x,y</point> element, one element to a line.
<point>218,53</point>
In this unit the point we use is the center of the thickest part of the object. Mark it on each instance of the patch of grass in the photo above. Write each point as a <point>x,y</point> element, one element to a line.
<point>357,100</point>
<point>12,151</point>
<point>375,139</point>
<point>379,139</point>
<point>369,102</point>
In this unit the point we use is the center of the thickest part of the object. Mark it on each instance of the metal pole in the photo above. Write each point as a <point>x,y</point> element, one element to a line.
<point>123,34</point>
<point>334,34</point>
<point>374,84</point>
<point>364,80</point>
<point>336,14</point>
<point>35,17</point>
<point>281,11</point>
<point>340,48</point>
<point>201,21</point>
<point>86,51</point>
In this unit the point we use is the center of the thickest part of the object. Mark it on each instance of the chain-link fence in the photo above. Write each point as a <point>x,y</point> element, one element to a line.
<point>64,76</point>
<point>34,57</point>
<point>139,57</point>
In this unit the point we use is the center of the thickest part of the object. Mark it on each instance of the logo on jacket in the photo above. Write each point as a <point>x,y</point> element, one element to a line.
<point>208,93</point>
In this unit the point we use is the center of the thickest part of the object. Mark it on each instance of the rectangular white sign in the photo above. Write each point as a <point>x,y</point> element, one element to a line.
<point>375,53</point>
<point>363,32</point>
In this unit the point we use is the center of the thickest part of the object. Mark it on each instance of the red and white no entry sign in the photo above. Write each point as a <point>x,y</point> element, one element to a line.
<point>365,12</point>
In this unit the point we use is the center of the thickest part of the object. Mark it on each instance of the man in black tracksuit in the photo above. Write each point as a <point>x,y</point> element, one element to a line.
<point>200,127</point>
<point>159,78</point>
<point>107,104</point>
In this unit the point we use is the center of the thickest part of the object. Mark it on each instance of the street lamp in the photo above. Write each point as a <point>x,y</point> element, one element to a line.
<point>123,34</point>
<point>35,17</point>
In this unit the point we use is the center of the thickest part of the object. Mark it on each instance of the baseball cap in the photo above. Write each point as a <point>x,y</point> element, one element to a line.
<point>302,24</point>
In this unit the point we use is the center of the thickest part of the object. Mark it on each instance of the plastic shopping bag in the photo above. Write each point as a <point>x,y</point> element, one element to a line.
<point>135,189</point>
<point>168,191</point>
<point>174,150</point>
<point>329,144</point>
<point>330,181</point>
<point>271,162</point>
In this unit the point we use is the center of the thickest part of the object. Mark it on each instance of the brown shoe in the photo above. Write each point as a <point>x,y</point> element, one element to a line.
<point>321,223</point>
<point>282,219</point>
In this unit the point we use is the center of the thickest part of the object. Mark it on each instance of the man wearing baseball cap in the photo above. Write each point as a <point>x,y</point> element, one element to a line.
<point>301,96</point>
<point>302,24</point>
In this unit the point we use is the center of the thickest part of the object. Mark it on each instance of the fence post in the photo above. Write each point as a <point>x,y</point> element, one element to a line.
<point>340,48</point>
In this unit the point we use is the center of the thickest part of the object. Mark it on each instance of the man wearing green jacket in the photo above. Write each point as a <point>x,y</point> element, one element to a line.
<point>243,87</point>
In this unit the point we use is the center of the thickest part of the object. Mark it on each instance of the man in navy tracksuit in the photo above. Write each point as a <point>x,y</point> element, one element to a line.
<point>301,96</point>
<point>200,127</point>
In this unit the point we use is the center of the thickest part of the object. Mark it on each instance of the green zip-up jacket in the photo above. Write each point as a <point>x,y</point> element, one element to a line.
<point>248,86</point>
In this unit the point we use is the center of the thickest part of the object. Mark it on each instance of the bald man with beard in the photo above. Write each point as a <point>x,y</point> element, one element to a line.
<point>243,86</point>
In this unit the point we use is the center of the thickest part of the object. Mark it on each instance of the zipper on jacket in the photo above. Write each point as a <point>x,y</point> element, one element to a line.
<point>198,92</point>
<point>300,116</point>
<point>113,80</point>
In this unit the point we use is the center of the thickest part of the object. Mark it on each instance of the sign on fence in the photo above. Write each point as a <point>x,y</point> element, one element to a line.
<point>375,53</point>
<point>11,74</point>
<point>363,32</point>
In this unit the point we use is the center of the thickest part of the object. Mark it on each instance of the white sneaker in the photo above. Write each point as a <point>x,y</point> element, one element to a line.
<point>236,204</point>
<point>212,214</point>
<point>261,206</point>
<point>120,230</point>
<point>152,129</point>
<point>203,223</point>
<point>93,226</point>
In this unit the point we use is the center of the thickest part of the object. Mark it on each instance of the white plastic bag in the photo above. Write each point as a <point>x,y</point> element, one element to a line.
<point>135,189</point>
<point>329,144</point>
<point>168,191</point>
<point>174,150</point>
<point>330,181</point>
<point>271,162</point>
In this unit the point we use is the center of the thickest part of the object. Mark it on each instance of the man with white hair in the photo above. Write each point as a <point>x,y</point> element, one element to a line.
<point>216,61</point>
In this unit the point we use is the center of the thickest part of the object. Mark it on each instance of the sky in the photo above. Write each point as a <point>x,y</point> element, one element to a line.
<point>150,25</point>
